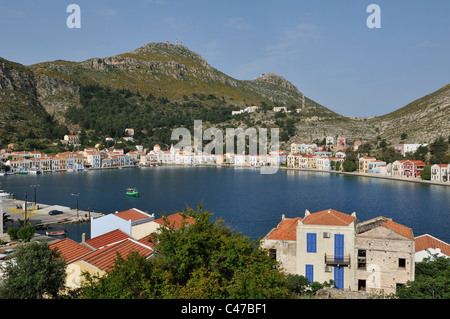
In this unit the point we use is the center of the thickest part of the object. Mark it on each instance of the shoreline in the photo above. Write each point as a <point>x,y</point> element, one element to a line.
<point>419,181</point>
<point>400,179</point>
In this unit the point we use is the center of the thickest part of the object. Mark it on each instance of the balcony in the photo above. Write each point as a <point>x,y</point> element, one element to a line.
<point>337,260</point>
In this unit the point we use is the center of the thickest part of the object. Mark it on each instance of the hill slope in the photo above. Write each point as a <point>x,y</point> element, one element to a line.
<point>32,96</point>
<point>162,69</point>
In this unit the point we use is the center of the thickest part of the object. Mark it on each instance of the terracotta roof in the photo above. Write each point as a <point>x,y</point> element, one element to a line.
<point>104,258</point>
<point>426,241</point>
<point>286,230</point>
<point>399,229</point>
<point>69,249</point>
<point>133,214</point>
<point>329,217</point>
<point>145,241</point>
<point>175,219</point>
<point>107,239</point>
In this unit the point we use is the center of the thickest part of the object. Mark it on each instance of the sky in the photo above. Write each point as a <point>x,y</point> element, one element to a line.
<point>324,47</point>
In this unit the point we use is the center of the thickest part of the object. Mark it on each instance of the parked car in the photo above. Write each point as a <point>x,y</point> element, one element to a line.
<point>6,253</point>
<point>55,212</point>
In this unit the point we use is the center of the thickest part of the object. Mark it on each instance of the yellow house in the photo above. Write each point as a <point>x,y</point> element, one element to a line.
<point>81,258</point>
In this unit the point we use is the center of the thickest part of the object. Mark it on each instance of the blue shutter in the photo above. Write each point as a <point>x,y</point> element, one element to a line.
<point>309,271</point>
<point>339,247</point>
<point>311,243</point>
<point>339,277</point>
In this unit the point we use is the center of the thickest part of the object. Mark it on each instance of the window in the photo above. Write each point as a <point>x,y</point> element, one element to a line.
<point>401,263</point>
<point>309,272</point>
<point>273,253</point>
<point>361,259</point>
<point>311,243</point>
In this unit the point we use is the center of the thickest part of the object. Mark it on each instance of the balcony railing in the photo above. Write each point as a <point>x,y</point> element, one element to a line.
<point>343,260</point>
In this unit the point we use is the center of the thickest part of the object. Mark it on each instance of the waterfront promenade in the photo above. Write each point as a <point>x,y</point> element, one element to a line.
<point>38,215</point>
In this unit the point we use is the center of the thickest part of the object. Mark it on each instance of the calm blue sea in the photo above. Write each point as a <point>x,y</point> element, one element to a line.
<point>247,201</point>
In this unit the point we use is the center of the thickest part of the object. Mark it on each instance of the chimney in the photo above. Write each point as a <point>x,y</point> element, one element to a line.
<point>83,237</point>
<point>283,217</point>
<point>307,213</point>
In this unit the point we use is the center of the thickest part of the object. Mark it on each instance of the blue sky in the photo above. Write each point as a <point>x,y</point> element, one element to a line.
<point>323,47</point>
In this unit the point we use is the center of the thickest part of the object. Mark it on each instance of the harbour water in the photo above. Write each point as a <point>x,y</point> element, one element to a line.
<point>247,201</point>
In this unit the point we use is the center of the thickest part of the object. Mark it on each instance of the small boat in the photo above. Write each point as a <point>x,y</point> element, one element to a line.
<point>132,192</point>
<point>55,233</point>
<point>3,193</point>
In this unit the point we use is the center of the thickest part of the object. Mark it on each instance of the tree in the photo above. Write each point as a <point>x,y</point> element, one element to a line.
<point>425,174</point>
<point>26,233</point>
<point>204,260</point>
<point>432,280</point>
<point>421,153</point>
<point>349,166</point>
<point>36,272</point>
<point>404,136</point>
<point>438,149</point>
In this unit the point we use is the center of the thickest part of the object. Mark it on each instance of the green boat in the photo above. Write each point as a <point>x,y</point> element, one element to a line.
<point>132,192</point>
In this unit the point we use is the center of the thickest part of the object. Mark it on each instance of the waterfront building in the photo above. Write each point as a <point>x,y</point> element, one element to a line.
<point>384,252</point>
<point>408,168</point>
<point>128,221</point>
<point>325,244</point>
<point>323,163</point>
<point>364,163</point>
<point>375,255</point>
<point>375,167</point>
<point>281,243</point>
<point>440,172</point>
<point>427,246</point>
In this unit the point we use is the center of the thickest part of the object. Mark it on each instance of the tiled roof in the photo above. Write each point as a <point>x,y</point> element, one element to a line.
<point>69,249</point>
<point>145,240</point>
<point>286,230</point>
<point>329,217</point>
<point>133,214</point>
<point>426,241</point>
<point>104,258</point>
<point>399,229</point>
<point>107,239</point>
<point>175,219</point>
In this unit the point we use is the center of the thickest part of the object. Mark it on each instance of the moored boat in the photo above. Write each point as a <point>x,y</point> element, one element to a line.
<point>4,194</point>
<point>132,192</point>
<point>55,233</point>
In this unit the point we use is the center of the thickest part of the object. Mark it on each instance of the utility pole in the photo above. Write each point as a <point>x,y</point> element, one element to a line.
<point>35,192</point>
<point>25,214</point>
<point>77,201</point>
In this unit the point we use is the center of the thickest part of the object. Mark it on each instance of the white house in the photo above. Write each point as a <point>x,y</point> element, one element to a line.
<point>440,172</point>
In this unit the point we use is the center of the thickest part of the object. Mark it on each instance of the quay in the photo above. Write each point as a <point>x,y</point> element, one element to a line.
<point>38,215</point>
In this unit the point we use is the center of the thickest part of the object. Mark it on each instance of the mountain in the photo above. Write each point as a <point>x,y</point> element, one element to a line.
<point>36,100</point>
<point>20,109</point>
<point>164,70</point>
<point>422,120</point>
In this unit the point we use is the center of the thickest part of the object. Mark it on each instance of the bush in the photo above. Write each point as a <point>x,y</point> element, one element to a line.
<point>12,233</point>
<point>26,233</point>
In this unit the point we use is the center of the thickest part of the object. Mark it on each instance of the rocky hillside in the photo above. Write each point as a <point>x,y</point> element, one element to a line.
<point>162,69</point>
<point>32,96</point>
<point>21,112</point>
<point>422,120</point>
